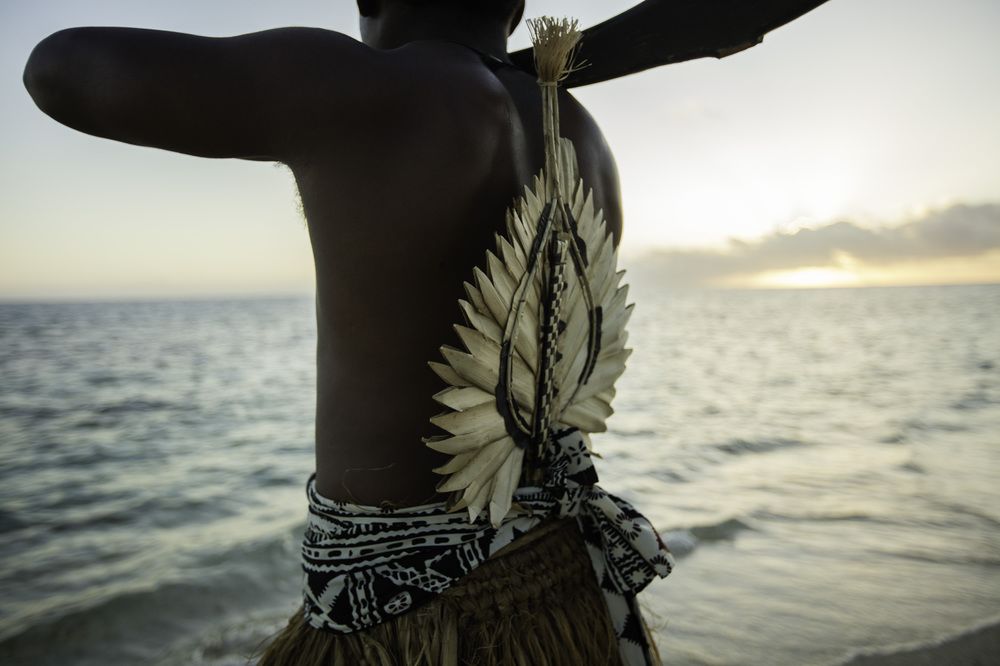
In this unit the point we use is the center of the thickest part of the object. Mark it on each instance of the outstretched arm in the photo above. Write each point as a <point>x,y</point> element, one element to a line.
<point>254,96</point>
<point>660,32</point>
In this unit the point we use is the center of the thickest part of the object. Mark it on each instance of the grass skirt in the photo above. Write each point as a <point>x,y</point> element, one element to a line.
<point>535,603</point>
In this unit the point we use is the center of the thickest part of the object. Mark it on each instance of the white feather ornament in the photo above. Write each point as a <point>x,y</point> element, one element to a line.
<point>545,339</point>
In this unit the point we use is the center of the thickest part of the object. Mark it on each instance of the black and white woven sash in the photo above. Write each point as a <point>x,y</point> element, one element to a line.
<point>365,565</point>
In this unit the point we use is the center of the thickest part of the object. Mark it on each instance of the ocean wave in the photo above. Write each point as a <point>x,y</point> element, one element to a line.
<point>923,424</point>
<point>267,476</point>
<point>32,412</point>
<point>135,405</point>
<point>103,379</point>
<point>668,475</point>
<point>161,511</point>
<point>722,531</point>
<point>642,432</point>
<point>141,623</point>
<point>821,517</point>
<point>974,646</point>
<point>972,401</point>
<point>86,415</point>
<point>739,446</point>
<point>10,522</point>
<point>682,542</point>
<point>940,558</point>
<point>966,510</point>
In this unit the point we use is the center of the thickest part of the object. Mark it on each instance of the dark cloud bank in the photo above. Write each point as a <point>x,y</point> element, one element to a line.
<point>958,231</point>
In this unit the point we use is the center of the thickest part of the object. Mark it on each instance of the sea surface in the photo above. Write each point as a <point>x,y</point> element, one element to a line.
<point>824,463</point>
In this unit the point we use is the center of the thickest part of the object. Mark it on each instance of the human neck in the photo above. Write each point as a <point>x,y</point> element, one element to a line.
<point>395,30</point>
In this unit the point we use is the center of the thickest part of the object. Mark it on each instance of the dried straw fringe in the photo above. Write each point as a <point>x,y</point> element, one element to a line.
<point>554,42</point>
<point>537,604</point>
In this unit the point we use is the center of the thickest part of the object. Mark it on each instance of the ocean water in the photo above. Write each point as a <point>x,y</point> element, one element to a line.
<point>825,464</point>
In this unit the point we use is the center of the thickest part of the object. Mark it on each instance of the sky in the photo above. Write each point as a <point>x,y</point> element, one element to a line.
<point>857,145</point>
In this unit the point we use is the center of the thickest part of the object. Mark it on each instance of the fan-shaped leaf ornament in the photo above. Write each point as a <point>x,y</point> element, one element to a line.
<point>544,334</point>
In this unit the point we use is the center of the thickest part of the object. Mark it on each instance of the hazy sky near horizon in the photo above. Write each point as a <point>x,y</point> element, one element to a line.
<point>870,112</point>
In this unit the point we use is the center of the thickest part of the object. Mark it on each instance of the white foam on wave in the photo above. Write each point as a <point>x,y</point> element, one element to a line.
<point>682,542</point>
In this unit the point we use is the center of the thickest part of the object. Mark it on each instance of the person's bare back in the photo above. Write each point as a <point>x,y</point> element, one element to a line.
<point>407,152</point>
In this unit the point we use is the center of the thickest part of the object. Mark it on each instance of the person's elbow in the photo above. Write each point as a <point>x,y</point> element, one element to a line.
<point>48,75</point>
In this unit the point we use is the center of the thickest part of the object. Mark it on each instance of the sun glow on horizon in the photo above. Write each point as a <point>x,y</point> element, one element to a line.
<point>982,269</point>
<point>806,278</point>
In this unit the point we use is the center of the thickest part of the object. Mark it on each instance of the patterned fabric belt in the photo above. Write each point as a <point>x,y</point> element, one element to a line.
<point>364,565</point>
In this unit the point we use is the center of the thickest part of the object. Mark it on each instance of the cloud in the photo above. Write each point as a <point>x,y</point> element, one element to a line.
<point>958,231</point>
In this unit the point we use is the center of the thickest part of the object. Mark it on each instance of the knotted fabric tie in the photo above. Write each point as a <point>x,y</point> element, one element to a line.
<point>364,565</point>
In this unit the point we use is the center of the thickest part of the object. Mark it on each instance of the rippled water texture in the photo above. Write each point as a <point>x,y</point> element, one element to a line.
<point>824,463</point>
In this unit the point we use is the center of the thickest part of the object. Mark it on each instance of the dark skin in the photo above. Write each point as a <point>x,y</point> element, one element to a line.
<point>407,152</point>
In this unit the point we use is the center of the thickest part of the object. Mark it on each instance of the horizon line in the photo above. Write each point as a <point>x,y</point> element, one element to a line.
<point>286,295</point>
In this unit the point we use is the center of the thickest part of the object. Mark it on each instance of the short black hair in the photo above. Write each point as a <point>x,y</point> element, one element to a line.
<point>498,9</point>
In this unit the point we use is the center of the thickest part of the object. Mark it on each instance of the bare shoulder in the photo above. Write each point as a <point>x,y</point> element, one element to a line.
<point>597,162</point>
